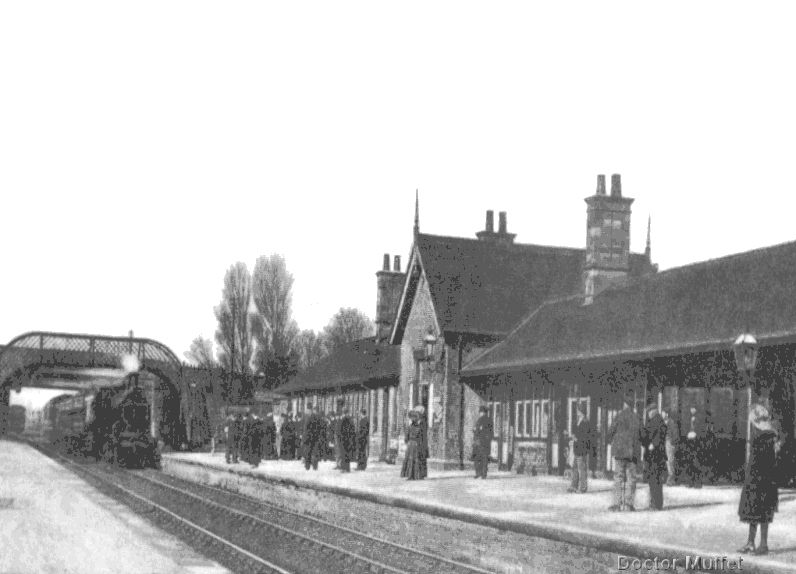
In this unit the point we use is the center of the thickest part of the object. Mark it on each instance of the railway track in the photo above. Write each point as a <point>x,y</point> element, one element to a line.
<point>249,535</point>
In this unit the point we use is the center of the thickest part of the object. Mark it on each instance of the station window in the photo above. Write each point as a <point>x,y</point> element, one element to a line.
<point>541,414</point>
<point>519,418</point>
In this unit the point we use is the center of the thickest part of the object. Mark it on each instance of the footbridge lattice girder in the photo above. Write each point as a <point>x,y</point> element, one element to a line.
<point>28,352</point>
<point>31,352</point>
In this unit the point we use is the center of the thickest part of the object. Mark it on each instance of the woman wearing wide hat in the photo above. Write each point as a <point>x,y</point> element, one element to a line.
<point>414,460</point>
<point>759,498</point>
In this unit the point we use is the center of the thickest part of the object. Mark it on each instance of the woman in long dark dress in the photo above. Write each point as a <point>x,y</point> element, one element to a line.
<point>413,468</point>
<point>759,498</point>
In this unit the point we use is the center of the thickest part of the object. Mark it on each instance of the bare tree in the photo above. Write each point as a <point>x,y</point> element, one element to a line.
<point>311,348</point>
<point>348,325</point>
<point>200,353</point>
<point>275,330</point>
<point>234,333</point>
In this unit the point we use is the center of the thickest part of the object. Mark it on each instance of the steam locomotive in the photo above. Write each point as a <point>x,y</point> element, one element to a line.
<point>111,424</point>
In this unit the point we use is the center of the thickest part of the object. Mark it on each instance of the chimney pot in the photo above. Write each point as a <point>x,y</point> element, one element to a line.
<point>490,221</point>
<point>616,185</point>
<point>601,185</point>
<point>397,263</point>
<point>386,265</point>
<point>502,222</point>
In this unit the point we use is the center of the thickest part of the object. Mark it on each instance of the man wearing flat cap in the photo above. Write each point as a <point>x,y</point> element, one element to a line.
<point>625,446</point>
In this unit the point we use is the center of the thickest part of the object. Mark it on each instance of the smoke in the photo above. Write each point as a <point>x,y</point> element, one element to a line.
<point>130,364</point>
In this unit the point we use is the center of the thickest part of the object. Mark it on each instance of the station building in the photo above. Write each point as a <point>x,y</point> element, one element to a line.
<point>532,330</point>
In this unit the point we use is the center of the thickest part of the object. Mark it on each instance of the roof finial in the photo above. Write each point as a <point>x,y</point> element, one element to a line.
<point>417,212</point>
<point>648,250</point>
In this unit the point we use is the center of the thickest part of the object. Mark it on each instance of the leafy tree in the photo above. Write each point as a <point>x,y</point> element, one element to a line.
<point>347,325</point>
<point>200,353</point>
<point>233,334</point>
<point>275,330</point>
<point>311,348</point>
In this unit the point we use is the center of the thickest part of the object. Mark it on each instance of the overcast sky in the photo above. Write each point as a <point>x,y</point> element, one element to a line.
<point>147,146</point>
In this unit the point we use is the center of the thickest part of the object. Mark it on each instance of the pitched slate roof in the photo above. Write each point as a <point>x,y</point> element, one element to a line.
<point>702,306</point>
<point>483,286</point>
<point>356,363</point>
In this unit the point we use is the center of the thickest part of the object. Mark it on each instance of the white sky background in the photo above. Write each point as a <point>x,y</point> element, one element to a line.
<point>145,147</point>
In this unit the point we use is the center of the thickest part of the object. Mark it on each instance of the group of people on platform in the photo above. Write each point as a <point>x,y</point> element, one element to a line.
<point>312,436</point>
<point>627,437</point>
<point>334,437</point>
<point>250,438</point>
<point>415,466</point>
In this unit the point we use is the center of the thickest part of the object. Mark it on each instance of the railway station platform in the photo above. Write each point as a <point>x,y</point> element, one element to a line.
<point>695,522</point>
<point>52,521</point>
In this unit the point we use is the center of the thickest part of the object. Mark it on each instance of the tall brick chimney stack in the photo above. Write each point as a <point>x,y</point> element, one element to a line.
<point>600,185</point>
<point>607,238</point>
<point>389,285</point>
<point>502,235</point>
<point>616,185</point>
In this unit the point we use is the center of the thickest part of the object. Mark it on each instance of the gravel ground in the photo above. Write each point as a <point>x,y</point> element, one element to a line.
<point>489,548</point>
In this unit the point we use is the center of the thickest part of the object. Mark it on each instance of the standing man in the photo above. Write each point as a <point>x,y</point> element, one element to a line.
<point>338,443</point>
<point>625,445</point>
<point>653,439</point>
<point>482,442</point>
<point>256,432</point>
<point>269,437</point>
<point>363,440</point>
<point>312,439</point>
<point>246,450</point>
<point>581,447</point>
<point>231,430</point>
<point>348,438</point>
<point>694,438</point>
<point>671,452</point>
<point>298,428</point>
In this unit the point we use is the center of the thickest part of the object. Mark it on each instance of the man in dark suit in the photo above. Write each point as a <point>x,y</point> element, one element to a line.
<point>313,438</point>
<point>256,431</point>
<point>348,440</point>
<point>231,429</point>
<point>240,437</point>
<point>653,439</point>
<point>482,442</point>
<point>363,438</point>
<point>694,429</point>
<point>581,447</point>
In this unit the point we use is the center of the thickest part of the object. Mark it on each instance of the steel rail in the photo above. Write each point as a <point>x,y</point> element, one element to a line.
<point>337,527</point>
<point>179,518</point>
<point>371,562</point>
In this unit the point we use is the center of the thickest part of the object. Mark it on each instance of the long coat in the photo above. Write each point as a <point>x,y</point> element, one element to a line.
<point>624,436</point>
<point>313,436</point>
<point>581,446</point>
<point>760,497</point>
<point>363,436</point>
<point>348,439</point>
<point>482,437</point>
<point>269,438</point>
<point>654,434</point>
<point>414,467</point>
<point>255,449</point>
